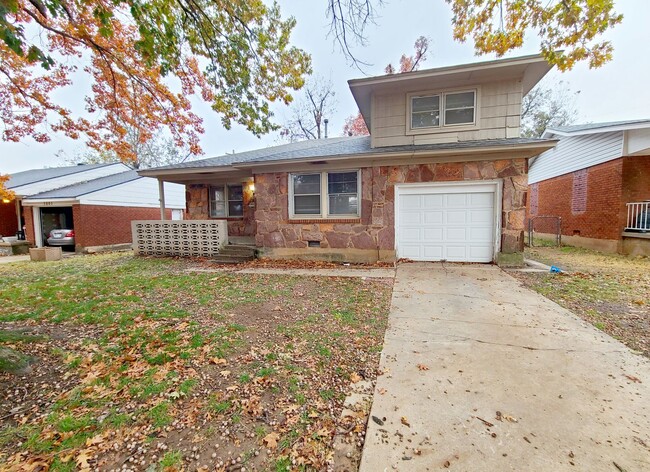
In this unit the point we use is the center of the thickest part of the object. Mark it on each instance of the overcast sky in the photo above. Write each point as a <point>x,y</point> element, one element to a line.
<point>616,91</point>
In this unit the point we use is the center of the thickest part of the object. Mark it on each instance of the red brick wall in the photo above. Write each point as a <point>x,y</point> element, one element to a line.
<point>29,224</point>
<point>8,223</point>
<point>96,225</point>
<point>602,217</point>
<point>636,179</point>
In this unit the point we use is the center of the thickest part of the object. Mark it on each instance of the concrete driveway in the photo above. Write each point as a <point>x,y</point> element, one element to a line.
<point>482,374</point>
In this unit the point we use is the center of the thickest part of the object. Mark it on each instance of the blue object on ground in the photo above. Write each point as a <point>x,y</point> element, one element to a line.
<point>555,270</point>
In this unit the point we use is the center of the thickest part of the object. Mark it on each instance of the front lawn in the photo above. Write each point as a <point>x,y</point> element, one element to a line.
<point>609,290</point>
<point>110,362</point>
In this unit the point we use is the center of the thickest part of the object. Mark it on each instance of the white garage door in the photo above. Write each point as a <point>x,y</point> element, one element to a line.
<point>446,222</point>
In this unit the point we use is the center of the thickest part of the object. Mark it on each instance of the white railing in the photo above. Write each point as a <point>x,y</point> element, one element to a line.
<point>186,238</point>
<point>638,216</point>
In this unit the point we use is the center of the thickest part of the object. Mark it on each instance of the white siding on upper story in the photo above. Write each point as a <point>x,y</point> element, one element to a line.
<point>638,142</point>
<point>498,116</point>
<point>142,192</point>
<point>573,153</point>
<point>71,179</point>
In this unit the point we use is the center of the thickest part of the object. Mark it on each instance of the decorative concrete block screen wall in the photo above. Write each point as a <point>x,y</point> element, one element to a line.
<point>187,238</point>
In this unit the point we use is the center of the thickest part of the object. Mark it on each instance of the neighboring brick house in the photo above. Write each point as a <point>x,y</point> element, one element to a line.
<point>442,176</point>
<point>97,201</point>
<point>597,179</point>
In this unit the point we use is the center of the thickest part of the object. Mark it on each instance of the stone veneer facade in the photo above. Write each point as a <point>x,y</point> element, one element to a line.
<point>197,201</point>
<point>375,229</point>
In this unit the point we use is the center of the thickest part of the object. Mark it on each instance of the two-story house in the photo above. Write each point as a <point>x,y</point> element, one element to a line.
<point>442,176</point>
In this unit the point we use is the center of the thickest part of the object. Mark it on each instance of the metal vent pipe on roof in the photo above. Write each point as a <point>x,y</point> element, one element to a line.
<point>326,122</point>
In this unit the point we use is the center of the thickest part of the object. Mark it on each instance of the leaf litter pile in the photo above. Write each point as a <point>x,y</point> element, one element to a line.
<point>119,363</point>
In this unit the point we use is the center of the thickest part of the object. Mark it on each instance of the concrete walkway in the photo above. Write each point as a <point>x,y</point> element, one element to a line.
<point>482,374</point>
<point>370,273</point>
<point>10,259</point>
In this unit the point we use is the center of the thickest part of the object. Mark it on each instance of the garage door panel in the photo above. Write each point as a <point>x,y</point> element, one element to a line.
<point>480,234</point>
<point>481,199</point>
<point>481,216</point>
<point>432,234</point>
<point>456,234</point>
<point>455,217</point>
<point>410,218</point>
<point>410,251</point>
<point>433,217</point>
<point>412,235</point>
<point>433,252</point>
<point>456,200</point>
<point>433,201</point>
<point>453,223</point>
<point>410,202</point>
<point>480,252</point>
<point>456,253</point>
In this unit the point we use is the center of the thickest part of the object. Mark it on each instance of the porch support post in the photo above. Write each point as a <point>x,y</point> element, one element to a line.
<point>20,227</point>
<point>161,194</point>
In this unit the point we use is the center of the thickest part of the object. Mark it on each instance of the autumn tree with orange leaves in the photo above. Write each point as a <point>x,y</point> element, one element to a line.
<point>145,59</point>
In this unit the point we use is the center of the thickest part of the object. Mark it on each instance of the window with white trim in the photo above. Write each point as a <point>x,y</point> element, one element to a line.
<point>443,109</point>
<point>227,201</point>
<point>334,194</point>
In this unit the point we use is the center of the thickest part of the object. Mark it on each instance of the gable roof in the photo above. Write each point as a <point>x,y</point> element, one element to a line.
<point>529,69</point>
<point>593,128</point>
<point>84,188</point>
<point>38,175</point>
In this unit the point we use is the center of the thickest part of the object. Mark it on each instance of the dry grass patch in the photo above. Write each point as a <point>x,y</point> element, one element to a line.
<point>132,362</point>
<point>610,291</point>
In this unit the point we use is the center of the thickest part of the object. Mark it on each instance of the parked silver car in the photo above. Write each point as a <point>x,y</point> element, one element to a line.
<point>61,237</point>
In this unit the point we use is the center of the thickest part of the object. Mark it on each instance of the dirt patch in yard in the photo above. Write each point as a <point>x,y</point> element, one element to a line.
<point>610,291</point>
<point>137,365</point>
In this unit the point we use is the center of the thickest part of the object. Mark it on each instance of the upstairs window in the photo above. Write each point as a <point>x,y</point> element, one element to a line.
<point>227,201</point>
<point>425,111</point>
<point>459,108</point>
<point>443,109</point>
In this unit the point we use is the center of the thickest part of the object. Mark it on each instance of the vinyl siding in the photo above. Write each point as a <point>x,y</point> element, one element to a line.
<point>142,192</point>
<point>498,116</point>
<point>574,153</point>
<point>71,179</point>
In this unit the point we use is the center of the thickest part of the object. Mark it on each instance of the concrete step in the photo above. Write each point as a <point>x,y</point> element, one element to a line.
<point>238,250</point>
<point>231,259</point>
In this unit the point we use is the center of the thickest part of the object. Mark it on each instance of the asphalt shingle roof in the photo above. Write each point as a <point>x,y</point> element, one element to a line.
<point>90,186</point>
<point>336,147</point>
<point>37,175</point>
<point>592,126</point>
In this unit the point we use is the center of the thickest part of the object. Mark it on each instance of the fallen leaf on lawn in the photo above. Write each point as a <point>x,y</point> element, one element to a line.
<point>354,377</point>
<point>271,440</point>
<point>225,373</point>
<point>405,421</point>
<point>422,367</point>
<point>95,440</point>
<point>633,378</point>
<point>323,432</point>
<point>82,461</point>
<point>217,361</point>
